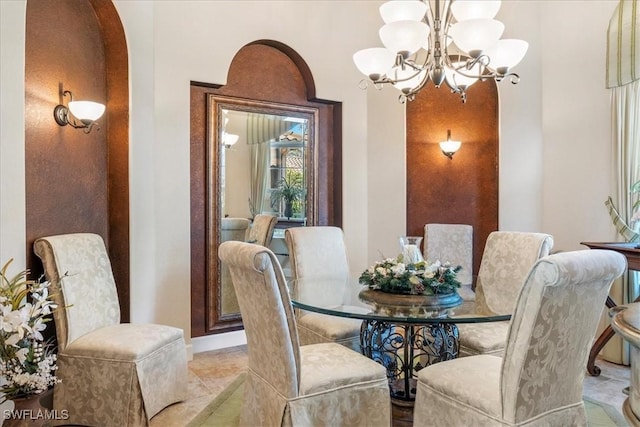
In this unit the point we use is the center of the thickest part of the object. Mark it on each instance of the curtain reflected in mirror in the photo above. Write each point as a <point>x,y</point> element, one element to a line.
<point>261,162</point>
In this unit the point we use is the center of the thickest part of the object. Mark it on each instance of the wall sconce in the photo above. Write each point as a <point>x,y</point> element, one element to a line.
<point>228,139</point>
<point>87,112</point>
<point>450,147</point>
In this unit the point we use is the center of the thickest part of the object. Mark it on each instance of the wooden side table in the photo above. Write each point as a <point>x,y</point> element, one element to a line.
<point>632,252</point>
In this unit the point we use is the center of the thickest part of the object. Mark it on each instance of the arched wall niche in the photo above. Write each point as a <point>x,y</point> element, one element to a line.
<point>77,182</point>
<point>271,72</point>
<point>462,190</point>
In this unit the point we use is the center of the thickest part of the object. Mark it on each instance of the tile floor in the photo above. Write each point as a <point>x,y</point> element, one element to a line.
<point>210,372</point>
<point>608,386</point>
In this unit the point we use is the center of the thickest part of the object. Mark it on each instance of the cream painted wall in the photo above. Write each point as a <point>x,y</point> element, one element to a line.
<point>173,42</point>
<point>576,123</point>
<point>12,169</point>
<point>237,173</point>
<point>521,144</point>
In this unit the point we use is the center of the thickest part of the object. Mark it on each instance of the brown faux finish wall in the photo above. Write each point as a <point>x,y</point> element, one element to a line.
<point>77,182</point>
<point>463,190</point>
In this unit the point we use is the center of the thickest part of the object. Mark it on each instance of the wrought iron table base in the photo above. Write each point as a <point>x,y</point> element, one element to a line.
<point>404,349</point>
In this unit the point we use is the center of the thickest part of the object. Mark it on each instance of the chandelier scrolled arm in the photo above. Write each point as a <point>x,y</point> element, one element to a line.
<point>442,41</point>
<point>514,78</point>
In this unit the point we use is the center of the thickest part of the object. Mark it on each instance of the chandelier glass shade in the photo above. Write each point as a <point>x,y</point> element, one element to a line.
<point>456,42</point>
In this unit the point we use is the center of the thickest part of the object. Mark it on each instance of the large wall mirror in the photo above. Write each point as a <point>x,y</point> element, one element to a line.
<point>255,142</point>
<point>264,163</point>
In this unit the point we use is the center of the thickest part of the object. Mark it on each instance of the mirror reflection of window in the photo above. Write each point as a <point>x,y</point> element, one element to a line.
<point>264,170</point>
<point>287,192</point>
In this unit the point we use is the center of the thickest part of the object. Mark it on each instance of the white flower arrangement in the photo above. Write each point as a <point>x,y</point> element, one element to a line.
<point>27,363</point>
<point>393,275</point>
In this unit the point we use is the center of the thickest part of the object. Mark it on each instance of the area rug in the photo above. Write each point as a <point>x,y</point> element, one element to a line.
<point>600,414</point>
<point>224,410</point>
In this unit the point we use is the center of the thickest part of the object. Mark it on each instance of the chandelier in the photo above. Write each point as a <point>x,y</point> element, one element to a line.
<point>456,42</point>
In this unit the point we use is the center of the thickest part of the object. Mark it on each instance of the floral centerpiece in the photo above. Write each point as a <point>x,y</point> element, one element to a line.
<point>392,275</point>
<point>27,362</point>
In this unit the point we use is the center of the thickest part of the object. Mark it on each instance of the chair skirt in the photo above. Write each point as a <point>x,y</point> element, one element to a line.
<point>338,387</point>
<point>125,374</point>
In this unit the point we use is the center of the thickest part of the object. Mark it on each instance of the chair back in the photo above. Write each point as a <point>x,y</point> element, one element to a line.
<point>452,243</point>
<point>317,251</point>
<point>507,258</point>
<point>267,314</point>
<point>261,231</point>
<point>78,267</point>
<point>234,229</point>
<point>551,331</point>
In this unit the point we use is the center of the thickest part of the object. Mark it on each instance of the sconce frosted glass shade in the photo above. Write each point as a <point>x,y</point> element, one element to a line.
<point>450,146</point>
<point>476,34</point>
<point>375,61</point>
<point>228,139</point>
<point>506,53</point>
<point>86,111</point>
<point>457,80</point>
<point>403,10</point>
<point>464,10</point>
<point>404,36</point>
<point>413,78</point>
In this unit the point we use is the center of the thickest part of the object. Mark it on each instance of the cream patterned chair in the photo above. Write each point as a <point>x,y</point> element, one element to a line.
<point>452,243</point>
<point>113,374</point>
<point>230,229</point>
<point>234,229</point>
<point>538,382</point>
<point>507,258</point>
<point>288,384</point>
<point>261,231</point>
<point>320,251</point>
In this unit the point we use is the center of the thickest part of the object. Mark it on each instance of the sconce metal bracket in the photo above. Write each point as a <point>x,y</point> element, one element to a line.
<point>61,115</point>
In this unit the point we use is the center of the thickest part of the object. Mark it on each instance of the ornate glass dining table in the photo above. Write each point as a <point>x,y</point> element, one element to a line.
<point>404,333</point>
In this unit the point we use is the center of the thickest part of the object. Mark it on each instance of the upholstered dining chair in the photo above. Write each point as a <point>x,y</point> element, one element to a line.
<point>113,374</point>
<point>261,231</point>
<point>231,228</point>
<point>507,258</point>
<point>452,243</point>
<point>320,251</point>
<point>288,384</point>
<point>539,380</point>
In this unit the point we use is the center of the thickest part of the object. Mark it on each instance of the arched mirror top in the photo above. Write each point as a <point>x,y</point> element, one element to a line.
<point>271,71</point>
<point>266,159</point>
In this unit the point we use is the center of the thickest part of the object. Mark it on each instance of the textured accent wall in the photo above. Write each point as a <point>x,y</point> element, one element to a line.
<point>463,190</point>
<point>77,182</point>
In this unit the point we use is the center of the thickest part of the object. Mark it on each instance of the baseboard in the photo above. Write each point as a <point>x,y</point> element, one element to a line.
<point>216,342</point>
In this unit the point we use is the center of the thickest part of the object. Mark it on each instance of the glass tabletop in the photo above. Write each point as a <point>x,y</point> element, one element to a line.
<point>349,298</point>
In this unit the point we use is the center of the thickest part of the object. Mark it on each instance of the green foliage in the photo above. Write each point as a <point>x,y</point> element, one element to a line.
<point>393,276</point>
<point>290,189</point>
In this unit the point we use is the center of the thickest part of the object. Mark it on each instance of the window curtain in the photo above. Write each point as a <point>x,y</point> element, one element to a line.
<point>623,72</point>
<point>261,130</point>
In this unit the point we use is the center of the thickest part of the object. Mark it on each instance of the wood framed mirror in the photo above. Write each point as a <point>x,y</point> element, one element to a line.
<point>269,79</point>
<point>262,161</point>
